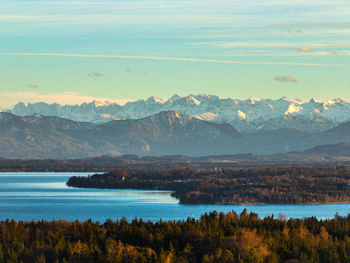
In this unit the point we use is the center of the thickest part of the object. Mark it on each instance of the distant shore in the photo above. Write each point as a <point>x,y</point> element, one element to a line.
<point>258,186</point>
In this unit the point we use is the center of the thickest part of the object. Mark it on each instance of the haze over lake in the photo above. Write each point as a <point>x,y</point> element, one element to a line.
<point>27,196</point>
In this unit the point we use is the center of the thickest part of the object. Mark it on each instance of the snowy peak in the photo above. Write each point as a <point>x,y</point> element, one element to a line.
<point>170,117</point>
<point>187,101</point>
<point>174,97</point>
<point>245,115</point>
<point>192,100</point>
<point>242,115</point>
<point>155,100</point>
<point>292,108</point>
<point>104,103</point>
<point>208,116</point>
<point>253,100</point>
<point>295,101</point>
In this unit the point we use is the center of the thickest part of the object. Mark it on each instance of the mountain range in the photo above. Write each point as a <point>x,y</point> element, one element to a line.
<point>251,115</point>
<point>163,133</point>
<point>166,133</point>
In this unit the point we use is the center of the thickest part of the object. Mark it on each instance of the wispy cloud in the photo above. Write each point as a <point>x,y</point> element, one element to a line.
<point>94,74</point>
<point>290,31</point>
<point>9,99</point>
<point>328,31</point>
<point>174,59</point>
<point>305,49</point>
<point>286,79</point>
<point>340,44</point>
<point>279,54</point>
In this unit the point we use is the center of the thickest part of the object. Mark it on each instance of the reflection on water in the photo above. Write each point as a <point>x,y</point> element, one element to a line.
<point>27,196</point>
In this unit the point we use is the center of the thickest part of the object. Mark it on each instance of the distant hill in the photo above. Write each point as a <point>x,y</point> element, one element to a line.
<point>341,149</point>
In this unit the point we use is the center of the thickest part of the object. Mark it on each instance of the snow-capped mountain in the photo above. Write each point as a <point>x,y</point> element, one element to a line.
<point>245,115</point>
<point>165,133</point>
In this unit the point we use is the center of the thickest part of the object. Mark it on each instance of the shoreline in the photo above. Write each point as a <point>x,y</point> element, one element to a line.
<point>256,186</point>
<point>223,204</point>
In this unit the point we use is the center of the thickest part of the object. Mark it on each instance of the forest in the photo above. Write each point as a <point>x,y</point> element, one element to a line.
<point>282,185</point>
<point>108,163</point>
<point>215,237</point>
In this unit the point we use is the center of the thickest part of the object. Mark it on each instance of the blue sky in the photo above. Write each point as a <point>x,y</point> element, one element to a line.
<point>73,51</point>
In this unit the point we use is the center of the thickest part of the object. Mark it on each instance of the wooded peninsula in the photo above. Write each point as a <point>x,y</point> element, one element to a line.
<point>283,185</point>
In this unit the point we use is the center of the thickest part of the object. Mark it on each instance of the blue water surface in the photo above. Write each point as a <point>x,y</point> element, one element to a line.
<point>36,196</point>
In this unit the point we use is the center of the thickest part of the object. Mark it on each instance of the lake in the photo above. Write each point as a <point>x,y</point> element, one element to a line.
<point>27,196</point>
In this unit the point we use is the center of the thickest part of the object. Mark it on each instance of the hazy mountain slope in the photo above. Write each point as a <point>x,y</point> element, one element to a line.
<point>166,133</point>
<point>245,115</point>
<point>277,141</point>
<point>338,134</point>
<point>341,149</point>
<point>37,137</point>
<point>171,133</point>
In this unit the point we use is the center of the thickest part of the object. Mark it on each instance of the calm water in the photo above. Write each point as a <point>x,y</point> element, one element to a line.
<point>27,196</point>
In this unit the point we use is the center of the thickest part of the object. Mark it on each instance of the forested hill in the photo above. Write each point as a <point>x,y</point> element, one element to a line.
<point>290,185</point>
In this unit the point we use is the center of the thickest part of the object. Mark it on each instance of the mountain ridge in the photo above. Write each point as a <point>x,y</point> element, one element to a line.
<point>248,115</point>
<point>166,133</point>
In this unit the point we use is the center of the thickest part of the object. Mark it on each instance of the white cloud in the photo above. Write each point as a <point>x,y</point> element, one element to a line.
<point>9,99</point>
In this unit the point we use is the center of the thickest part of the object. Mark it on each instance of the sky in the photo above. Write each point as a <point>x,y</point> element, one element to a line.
<point>75,51</point>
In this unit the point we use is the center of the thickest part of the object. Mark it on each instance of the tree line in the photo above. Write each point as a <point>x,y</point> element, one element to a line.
<point>282,185</point>
<point>215,237</point>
